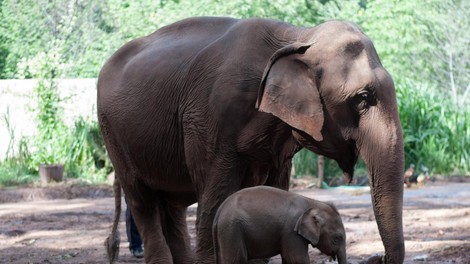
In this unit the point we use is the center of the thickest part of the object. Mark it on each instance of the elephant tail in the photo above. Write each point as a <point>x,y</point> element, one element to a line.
<point>112,241</point>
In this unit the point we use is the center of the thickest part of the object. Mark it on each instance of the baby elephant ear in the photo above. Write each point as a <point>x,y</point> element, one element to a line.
<point>308,226</point>
<point>288,90</point>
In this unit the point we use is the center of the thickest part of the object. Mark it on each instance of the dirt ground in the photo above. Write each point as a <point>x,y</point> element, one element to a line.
<point>67,223</point>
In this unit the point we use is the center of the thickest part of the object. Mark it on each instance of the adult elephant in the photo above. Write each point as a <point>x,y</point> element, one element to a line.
<point>206,106</point>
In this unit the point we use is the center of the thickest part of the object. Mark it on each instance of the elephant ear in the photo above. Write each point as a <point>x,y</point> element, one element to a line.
<point>309,226</point>
<point>288,91</point>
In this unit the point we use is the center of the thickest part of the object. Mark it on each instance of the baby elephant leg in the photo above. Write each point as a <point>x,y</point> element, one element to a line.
<point>295,252</point>
<point>231,254</point>
<point>230,247</point>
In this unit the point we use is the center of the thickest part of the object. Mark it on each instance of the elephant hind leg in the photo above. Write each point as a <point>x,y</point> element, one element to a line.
<point>149,213</point>
<point>177,235</point>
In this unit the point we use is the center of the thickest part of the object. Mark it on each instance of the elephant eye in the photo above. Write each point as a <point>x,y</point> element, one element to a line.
<point>363,100</point>
<point>337,239</point>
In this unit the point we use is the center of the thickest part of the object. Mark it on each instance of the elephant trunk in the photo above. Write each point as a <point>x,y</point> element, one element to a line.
<point>341,256</point>
<point>382,151</point>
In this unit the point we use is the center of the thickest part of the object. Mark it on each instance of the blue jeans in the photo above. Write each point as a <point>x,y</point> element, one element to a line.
<point>133,235</point>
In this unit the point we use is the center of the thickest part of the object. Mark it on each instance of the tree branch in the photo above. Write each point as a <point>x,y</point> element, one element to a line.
<point>451,77</point>
<point>465,95</point>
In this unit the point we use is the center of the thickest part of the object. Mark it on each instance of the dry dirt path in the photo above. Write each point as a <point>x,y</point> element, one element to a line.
<point>436,226</point>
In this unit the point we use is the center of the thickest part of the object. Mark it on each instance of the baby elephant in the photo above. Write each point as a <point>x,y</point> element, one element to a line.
<point>261,222</point>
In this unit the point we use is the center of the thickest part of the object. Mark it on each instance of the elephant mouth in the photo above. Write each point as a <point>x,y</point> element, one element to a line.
<point>345,157</point>
<point>344,152</point>
<point>347,161</point>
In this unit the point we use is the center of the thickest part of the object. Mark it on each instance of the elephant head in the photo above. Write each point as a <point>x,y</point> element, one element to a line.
<point>324,230</point>
<point>331,88</point>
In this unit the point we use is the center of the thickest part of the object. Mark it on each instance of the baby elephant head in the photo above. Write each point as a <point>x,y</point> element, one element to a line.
<point>324,230</point>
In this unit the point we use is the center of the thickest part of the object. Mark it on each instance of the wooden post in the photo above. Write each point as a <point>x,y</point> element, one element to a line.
<point>321,170</point>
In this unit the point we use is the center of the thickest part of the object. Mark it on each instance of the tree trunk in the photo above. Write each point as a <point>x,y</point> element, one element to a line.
<point>321,170</point>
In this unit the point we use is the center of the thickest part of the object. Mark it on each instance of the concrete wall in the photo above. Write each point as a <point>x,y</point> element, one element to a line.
<point>16,97</point>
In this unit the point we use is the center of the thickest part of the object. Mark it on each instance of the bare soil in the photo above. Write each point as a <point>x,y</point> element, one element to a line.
<point>68,222</point>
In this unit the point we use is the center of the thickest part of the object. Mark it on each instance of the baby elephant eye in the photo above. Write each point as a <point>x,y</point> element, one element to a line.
<point>337,239</point>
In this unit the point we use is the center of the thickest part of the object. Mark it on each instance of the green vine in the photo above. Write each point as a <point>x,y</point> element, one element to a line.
<point>52,134</point>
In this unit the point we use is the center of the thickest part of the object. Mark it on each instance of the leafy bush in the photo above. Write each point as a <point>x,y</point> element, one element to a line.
<point>306,164</point>
<point>87,157</point>
<point>15,168</point>
<point>435,131</point>
<point>50,143</point>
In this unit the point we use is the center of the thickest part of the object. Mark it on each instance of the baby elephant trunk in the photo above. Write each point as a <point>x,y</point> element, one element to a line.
<point>342,256</point>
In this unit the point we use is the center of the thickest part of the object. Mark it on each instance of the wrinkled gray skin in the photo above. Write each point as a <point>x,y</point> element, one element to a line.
<point>207,106</point>
<point>261,222</point>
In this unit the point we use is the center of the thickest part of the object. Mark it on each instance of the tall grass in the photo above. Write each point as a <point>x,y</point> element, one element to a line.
<point>306,164</point>
<point>15,168</point>
<point>85,158</point>
<point>436,132</point>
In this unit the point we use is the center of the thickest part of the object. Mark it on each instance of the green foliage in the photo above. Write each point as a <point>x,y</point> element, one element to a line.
<point>15,168</point>
<point>436,132</point>
<point>448,55</point>
<point>306,163</point>
<point>87,157</point>
<point>51,140</point>
<point>4,49</point>
<point>80,149</point>
<point>88,31</point>
<point>76,30</point>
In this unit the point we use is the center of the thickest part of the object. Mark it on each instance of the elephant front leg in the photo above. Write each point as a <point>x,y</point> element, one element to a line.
<point>216,190</point>
<point>207,207</point>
